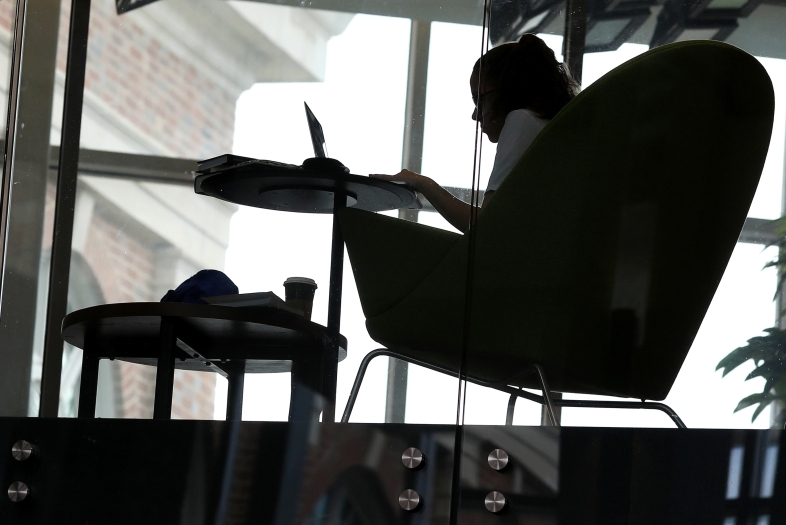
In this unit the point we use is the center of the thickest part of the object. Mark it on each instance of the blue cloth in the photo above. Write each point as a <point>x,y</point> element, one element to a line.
<point>205,283</point>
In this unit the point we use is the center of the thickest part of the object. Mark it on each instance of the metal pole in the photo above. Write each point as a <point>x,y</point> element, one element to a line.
<point>411,159</point>
<point>330,359</point>
<point>165,369</point>
<point>26,164</point>
<point>575,35</point>
<point>415,109</point>
<point>64,207</point>
<point>236,378</point>
<point>415,106</point>
<point>780,298</point>
<point>396,398</point>
<point>11,117</point>
<point>572,55</point>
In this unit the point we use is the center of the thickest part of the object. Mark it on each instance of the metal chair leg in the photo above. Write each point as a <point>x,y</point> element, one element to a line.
<point>547,395</point>
<point>389,353</point>
<point>547,399</point>
<point>549,409</point>
<point>647,405</point>
<point>511,409</point>
<point>353,394</point>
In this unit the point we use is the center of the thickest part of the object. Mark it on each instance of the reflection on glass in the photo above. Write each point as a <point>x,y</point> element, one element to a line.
<point>157,89</point>
<point>734,479</point>
<point>7,17</point>
<point>360,105</point>
<point>71,356</point>
<point>152,94</point>
<point>162,89</point>
<point>769,471</point>
<point>133,242</point>
<point>700,395</point>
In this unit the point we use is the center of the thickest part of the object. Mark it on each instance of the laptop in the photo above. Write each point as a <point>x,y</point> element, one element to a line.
<point>228,160</point>
<point>317,136</point>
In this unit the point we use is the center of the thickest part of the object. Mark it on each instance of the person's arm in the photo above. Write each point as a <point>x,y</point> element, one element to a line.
<point>455,211</point>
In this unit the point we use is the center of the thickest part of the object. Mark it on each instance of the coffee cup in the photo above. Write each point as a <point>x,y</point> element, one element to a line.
<point>299,294</point>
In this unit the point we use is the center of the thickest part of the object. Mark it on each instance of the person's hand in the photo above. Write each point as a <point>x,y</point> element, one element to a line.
<point>414,180</point>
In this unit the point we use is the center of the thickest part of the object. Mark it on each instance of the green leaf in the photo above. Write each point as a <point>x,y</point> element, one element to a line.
<point>770,347</point>
<point>768,352</point>
<point>736,358</point>
<point>761,397</point>
<point>769,370</point>
<point>758,410</point>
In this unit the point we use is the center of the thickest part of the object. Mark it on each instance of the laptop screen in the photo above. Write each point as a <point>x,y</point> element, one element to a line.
<point>317,137</point>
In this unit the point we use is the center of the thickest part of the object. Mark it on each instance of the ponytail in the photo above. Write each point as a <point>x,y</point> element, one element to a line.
<point>527,75</point>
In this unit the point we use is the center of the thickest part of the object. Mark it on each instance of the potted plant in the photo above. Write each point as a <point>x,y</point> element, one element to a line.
<point>768,352</point>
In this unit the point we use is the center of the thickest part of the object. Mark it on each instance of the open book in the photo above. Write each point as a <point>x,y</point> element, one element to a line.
<point>252,299</point>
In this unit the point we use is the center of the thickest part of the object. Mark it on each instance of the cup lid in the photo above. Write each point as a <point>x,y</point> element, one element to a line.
<point>301,280</point>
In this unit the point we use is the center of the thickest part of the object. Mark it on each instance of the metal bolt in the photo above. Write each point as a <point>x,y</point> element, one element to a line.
<point>409,500</point>
<point>22,450</point>
<point>18,491</point>
<point>495,501</point>
<point>498,459</point>
<point>413,458</point>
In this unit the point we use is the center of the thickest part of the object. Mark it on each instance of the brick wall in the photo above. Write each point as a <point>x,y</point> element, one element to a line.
<point>123,266</point>
<point>7,15</point>
<point>161,95</point>
<point>163,98</point>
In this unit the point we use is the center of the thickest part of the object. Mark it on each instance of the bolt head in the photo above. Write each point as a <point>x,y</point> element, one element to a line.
<point>22,450</point>
<point>18,492</point>
<point>409,500</point>
<point>498,459</point>
<point>495,502</point>
<point>413,458</point>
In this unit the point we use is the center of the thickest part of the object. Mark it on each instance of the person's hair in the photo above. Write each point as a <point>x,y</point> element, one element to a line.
<point>526,75</point>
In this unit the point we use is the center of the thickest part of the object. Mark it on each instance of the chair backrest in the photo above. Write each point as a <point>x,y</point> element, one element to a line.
<point>606,243</point>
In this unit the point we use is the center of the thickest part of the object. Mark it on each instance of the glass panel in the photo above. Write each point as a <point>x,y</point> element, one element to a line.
<point>7,19</point>
<point>157,93</point>
<point>598,253</point>
<point>29,107</point>
<point>742,306</point>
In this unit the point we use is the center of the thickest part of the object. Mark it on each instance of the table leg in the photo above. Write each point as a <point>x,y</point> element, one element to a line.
<point>236,377</point>
<point>88,386</point>
<point>306,400</point>
<point>330,358</point>
<point>165,373</point>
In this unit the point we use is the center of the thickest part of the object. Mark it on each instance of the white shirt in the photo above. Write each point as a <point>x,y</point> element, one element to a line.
<point>520,129</point>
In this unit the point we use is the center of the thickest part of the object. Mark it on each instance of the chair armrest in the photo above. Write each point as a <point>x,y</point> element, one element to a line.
<point>390,257</point>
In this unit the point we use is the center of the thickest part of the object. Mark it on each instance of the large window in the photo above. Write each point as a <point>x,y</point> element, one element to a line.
<point>159,96</point>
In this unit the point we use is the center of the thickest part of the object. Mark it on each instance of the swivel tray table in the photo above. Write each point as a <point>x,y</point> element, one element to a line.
<point>230,341</point>
<point>321,185</point>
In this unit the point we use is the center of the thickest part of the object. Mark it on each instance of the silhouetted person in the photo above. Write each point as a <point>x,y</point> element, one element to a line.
<point>517,88</point>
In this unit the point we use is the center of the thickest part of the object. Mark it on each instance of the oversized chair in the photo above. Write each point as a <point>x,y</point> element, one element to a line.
<point>598,256</point>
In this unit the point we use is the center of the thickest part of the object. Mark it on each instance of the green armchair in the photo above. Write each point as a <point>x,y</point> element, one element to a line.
<point>600,253</point>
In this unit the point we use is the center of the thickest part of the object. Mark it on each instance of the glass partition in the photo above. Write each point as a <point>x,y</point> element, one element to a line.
<point>387,86</point>
<point>546,259</point>
<point>30,38</point>
<point>744,302</point>
<point>150,94</point>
